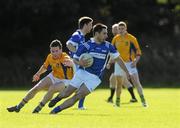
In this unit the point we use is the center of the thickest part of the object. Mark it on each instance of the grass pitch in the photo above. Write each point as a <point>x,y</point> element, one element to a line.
<point>163,111</point>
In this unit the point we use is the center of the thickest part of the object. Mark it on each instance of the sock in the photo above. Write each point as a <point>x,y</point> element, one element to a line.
<point>81,103</point>
<point>118,101</point>
<point>39,107</point>
<point>130,89</point>
<point>112,93</point>
<point>142,98</point>
<point>57,109</point>
<point>21,104</point>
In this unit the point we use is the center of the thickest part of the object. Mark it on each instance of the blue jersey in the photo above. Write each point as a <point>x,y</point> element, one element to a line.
<point>76,39</point>
<point>100,53</point>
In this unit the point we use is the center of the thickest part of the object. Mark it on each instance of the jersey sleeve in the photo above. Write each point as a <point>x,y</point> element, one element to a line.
<point>113,52</point>
<point>113,41</point>
<point>83,48</point>
<point>136,44</point>
<point>46,63</point>
<point>74,40</point>
<point>66,56</point>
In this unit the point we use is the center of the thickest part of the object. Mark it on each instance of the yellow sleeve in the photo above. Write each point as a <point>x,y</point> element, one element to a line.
<point>66,56</point>
<point>113,41</point>
<point>136,44</point>
<point>46,63</point>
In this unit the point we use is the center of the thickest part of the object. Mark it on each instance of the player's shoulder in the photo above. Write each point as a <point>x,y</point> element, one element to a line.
<point>116,36</point>
<point>49,55</point>
<point>76,34</point>
<point>107,43</point>
<point>131,36</point>
<point>64,54</point>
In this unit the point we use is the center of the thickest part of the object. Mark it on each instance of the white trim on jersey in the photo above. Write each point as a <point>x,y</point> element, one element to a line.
<point>73,43</point>
<point>114,55</point>
<point>75,56</point>
<point>98,55</point>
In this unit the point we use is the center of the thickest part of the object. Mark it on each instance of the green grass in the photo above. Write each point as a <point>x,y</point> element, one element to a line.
<point>163,112</point>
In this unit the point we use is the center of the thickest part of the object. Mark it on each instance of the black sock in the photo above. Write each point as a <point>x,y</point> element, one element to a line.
<point>112,93</point>
<point>39,107</point>
<point>21,104</point>
<point>130,89</point>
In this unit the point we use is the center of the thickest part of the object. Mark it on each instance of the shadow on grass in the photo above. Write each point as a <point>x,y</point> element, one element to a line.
<point>151,86</point>
<point>71,114</point>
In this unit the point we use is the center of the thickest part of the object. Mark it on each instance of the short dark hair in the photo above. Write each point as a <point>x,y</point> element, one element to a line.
<point>98,28</point>
<point>84,20</point>
<point>56,43</point>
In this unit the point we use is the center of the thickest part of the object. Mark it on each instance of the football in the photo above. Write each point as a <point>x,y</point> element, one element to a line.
<point>88,57</point>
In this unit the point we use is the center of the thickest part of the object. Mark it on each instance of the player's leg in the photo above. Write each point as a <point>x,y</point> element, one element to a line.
<point>64,94</point>
<point>136,82</point>
<point>119,80</point>
<point>81,104</point>
<point>42,85</point>
<point>82,92</point>
<point>129,86</point>
<point>118,72</point>
<point>112,84</point>
<point>48,96</point>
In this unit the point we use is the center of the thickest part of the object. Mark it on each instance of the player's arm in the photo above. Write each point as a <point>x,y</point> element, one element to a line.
<point>42,70</point>
<point>121,64</point>
<point>36,76</point>
<point>72,43</point>
<point>110,62</point>
<point>116,56</point>
<point>81,49</point>
<point>68,61</point>
<point>138,52</point>
<point>71,47</point>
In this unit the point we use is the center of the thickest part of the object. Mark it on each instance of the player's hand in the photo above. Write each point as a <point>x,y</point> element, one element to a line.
<point>36,77</point>
<point>108,66</point>
<point>68,63</point>
<point>83,63</point>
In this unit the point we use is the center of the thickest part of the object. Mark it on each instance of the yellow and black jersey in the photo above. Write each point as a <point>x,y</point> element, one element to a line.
<point>127,46</point>
<point>58,69</point>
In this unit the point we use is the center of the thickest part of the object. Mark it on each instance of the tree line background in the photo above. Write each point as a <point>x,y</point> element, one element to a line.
<point>28,26</point>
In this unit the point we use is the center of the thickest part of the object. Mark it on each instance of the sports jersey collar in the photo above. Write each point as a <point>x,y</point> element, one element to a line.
<point>124,35</point>
<point>60,56</point>
<point>79,30</point>
<point>93,41</point>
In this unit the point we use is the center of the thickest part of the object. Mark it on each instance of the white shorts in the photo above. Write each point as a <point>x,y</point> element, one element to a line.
<point>75,68</point>
<point>118,71</point>
<point>57,80</point>
<point>91,81</point>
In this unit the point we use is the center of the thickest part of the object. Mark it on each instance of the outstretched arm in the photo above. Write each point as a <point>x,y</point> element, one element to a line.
<point>36,77</point>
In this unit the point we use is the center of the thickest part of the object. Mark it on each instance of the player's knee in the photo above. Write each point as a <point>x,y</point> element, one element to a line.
<point>118,87</point>
<point>65,94</point>
<point>35,89</point>
<point>52,89</point>
<point>79,96</point>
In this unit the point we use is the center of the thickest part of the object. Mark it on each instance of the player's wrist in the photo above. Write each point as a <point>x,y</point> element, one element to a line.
<point>37,74</point>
